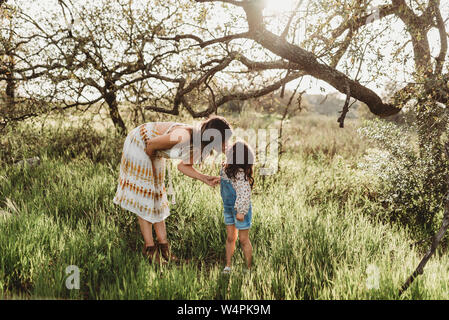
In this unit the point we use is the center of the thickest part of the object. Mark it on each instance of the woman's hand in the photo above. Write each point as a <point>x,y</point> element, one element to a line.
<point>240,216</point>
<point>190,171</point>
<point>149,150</point>
<point>211,181</point>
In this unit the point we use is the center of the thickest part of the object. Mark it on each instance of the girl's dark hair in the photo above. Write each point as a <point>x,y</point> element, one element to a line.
<point>206,133</point>
<point>240,156</point>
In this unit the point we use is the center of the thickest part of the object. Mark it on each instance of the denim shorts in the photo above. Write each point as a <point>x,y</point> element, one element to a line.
<point>229,196</point>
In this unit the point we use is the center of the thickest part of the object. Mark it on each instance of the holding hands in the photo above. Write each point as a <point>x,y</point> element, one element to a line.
<point>211,181</point>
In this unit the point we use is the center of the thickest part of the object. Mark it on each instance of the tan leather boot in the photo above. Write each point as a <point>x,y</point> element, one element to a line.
<point>152,254</point>
<point>166,252</point>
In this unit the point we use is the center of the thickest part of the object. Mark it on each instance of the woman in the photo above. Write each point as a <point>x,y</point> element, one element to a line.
<point>141,187</point>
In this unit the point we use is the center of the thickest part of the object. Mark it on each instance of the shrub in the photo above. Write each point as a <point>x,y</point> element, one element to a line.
<point>413,181</point>
<point>25,141</point>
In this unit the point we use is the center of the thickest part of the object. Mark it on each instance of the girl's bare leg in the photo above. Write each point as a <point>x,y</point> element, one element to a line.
<point>247,248</point>
<point>161,232</point>
<point>230,243</point>
<point>147,232</point>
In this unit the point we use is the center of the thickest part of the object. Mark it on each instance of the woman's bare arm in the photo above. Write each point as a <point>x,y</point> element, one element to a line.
<point>190,171</point>
<point>167,141</point>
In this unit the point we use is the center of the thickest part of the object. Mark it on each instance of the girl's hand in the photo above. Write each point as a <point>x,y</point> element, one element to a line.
<point>240,217</point>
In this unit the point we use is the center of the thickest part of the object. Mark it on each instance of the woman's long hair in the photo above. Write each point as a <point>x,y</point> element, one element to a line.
<point>240,156</point>
<point>214,131</point>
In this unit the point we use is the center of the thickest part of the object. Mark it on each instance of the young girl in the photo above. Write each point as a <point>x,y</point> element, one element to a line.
<point>236,182</point>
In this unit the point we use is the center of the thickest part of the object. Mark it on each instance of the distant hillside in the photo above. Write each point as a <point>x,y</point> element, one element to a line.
<point>329,105</point>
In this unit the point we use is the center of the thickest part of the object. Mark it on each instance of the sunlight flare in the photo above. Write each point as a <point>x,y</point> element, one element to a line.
<point>280,6</point>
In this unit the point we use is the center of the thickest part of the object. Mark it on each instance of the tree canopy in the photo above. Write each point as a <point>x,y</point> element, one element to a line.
<point>199,55</point>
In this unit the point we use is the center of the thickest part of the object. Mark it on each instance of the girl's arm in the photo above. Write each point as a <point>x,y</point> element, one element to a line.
<point>243,191</point>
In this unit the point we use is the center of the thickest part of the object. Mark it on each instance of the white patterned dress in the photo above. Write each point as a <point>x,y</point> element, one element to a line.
<point>141,189</point>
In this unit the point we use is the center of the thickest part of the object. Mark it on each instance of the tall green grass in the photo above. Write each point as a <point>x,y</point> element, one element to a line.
<point>317,234</point>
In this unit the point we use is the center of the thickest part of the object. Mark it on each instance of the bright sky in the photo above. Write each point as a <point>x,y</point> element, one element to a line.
<point>279,6</point>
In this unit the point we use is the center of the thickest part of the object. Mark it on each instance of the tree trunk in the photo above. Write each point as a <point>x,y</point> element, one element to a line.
<point>119,124</point>
<point>10,90</point>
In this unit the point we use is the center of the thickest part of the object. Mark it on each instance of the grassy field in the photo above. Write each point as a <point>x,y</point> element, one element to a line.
<point>317,232</point>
